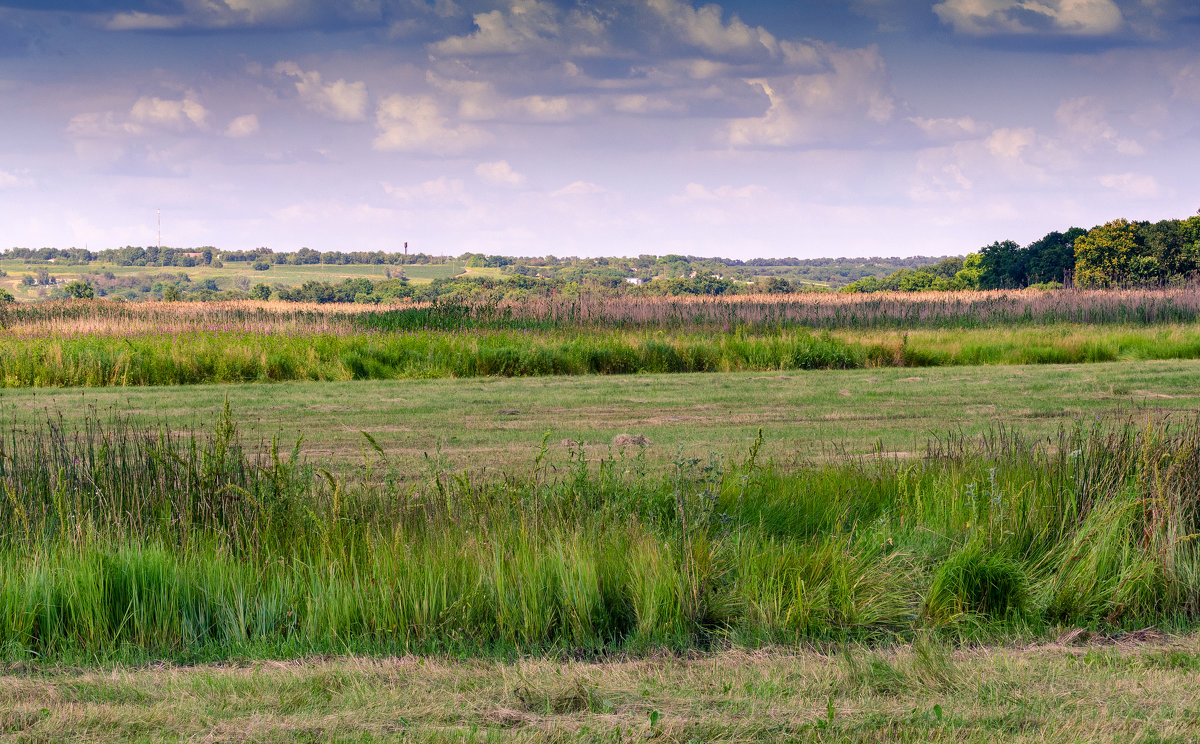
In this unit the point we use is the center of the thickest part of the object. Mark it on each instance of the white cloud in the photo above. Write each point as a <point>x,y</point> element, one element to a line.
<point>499,173</point>
<point>1084,124</point>
<point>169,114</point>
<point>705,29</point>
<point>1011,144</point>
<point>242,126</point>
<point>524,26</point>
<point>10,180</point>
<point>1132,185</point>
<point>806,109</point>
<point>415,124</point>
<point>339,100</point>
<point>1003,17</point>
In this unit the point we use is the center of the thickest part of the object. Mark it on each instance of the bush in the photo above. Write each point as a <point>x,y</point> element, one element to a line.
<point>260,266</point>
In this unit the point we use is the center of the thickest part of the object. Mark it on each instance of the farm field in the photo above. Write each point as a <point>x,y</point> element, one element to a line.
<point>1131,689</point>
<point>499,423</point>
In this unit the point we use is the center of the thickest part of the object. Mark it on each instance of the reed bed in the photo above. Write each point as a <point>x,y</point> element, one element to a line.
<point>127,544</point>
<point>857,311</point>
<point>884,310</point>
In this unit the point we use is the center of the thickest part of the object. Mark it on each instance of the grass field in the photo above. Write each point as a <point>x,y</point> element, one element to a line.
<point>725,572</point>
<point>498,423</point>
<point>1099,691</point>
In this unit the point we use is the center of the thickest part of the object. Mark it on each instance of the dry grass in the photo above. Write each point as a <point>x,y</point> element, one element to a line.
<point>883,309</point>
<point>1109,692</point>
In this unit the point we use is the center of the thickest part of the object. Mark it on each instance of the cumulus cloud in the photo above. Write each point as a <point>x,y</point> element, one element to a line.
<point>705,29</point>
<point>415,124</point>
<point>499,173</point>
<point>242,126</point>
<point>819,107</point>
<point>526,26</point>
<point>339,100</point>
<point>1006,17</point>
<point>169,114</point>
<point>149,114</point>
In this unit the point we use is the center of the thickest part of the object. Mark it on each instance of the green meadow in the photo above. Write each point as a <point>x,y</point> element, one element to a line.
<point>326,523</point>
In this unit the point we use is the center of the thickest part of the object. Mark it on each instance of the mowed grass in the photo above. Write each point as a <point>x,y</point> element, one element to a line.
<point>924,692</point>
<point>499,423</point>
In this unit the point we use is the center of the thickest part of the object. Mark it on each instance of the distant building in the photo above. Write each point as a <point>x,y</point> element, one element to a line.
<point>634,280</point>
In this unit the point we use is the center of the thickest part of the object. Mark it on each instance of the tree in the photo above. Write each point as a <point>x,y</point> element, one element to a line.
<point>1052,258</point>
<point>777,285</point>
<point>1001,266</point>
<point>260,292</point>
<point>1103,256</point>
<point>969,274</point>
<point>79,290</point>
<point>6,296</point>
<point>260,266</point>
<point>170,293</point>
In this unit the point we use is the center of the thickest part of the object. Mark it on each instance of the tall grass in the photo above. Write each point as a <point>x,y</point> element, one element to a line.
<point>226,356</point>
<point>123,543</point>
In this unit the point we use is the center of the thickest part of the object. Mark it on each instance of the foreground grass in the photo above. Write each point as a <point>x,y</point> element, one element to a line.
<point>125,545</point>
<point>925,692</point>
<point>495,424</point>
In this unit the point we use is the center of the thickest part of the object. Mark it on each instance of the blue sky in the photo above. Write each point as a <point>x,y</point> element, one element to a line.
<point>533,127</point>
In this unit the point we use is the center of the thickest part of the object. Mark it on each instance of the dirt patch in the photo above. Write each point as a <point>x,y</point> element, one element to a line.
<point>631,440</point>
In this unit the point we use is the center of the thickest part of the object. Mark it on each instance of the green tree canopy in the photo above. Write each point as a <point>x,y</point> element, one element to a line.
<point>1105,255</point>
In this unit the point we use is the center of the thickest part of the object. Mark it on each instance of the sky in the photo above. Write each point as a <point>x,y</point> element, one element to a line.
<point>750,128</point>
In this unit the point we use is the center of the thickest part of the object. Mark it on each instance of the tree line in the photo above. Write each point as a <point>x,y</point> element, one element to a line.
<point>1117,253</point>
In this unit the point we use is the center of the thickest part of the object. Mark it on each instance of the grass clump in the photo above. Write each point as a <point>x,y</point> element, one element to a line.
<point>975,580</point>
